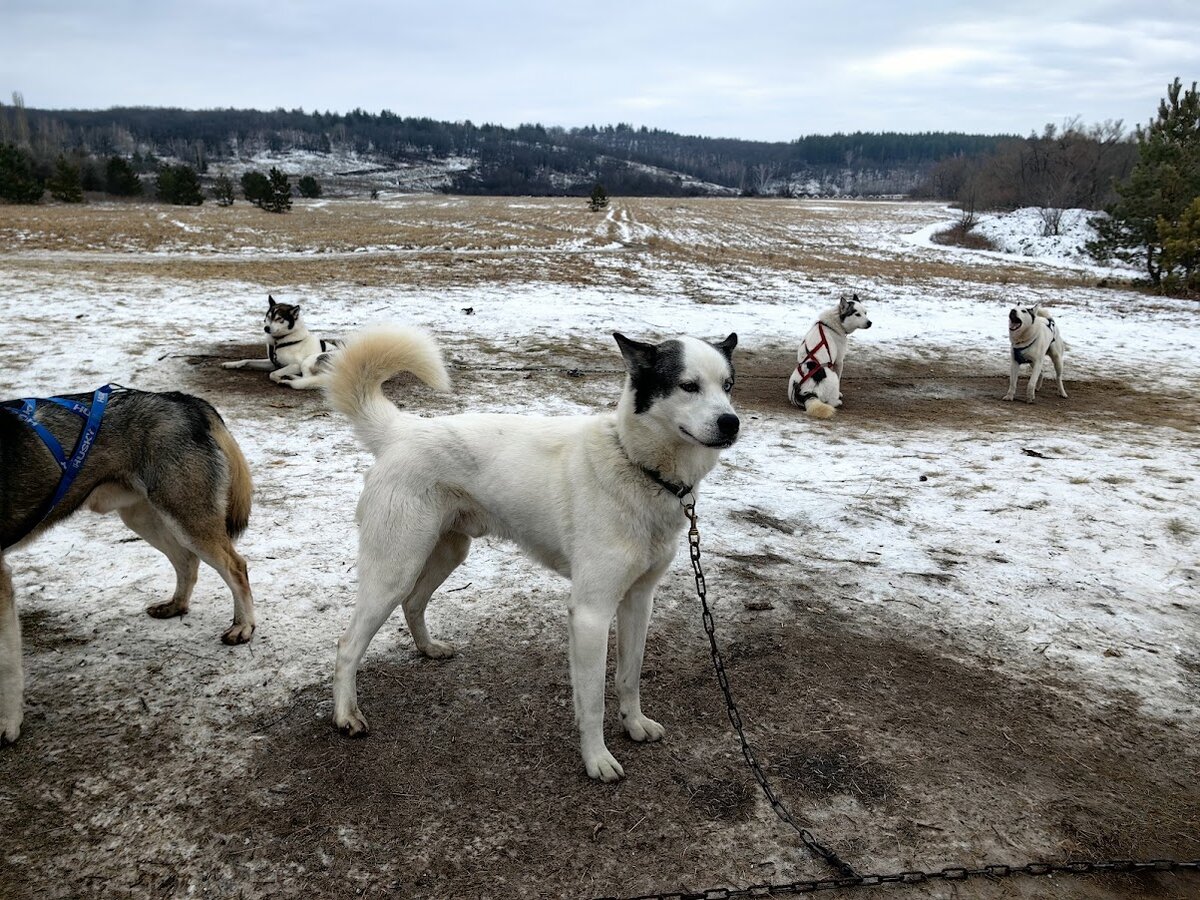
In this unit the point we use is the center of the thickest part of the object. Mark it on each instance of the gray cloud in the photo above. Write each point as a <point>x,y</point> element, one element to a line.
<point>765,69</point>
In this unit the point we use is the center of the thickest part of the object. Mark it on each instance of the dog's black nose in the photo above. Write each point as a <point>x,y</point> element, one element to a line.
<point>728,424</point>
<point>267,329</point>
<point>868,325</point>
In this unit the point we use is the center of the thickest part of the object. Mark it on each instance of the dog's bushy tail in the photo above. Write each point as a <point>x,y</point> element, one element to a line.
<point>369,359</point>
<point>241,488</point>
<point>1044,313</point>
<point>818,409</point>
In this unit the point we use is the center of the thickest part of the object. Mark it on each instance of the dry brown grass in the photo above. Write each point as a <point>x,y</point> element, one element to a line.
<point>457,241</point>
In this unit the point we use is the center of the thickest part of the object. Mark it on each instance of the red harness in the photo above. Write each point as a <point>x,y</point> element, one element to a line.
<point>812,354</point>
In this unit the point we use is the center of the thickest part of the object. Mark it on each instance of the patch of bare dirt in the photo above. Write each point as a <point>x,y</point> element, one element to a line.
<point>897,754</point>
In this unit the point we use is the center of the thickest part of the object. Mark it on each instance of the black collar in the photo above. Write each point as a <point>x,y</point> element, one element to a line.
<point>671,487</point>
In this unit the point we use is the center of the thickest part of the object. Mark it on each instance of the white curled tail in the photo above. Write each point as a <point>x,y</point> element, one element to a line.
<point>365,362</point>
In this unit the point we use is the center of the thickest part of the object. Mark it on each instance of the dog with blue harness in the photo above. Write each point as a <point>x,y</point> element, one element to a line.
<point>1034,335</point>
<point>164,462</point>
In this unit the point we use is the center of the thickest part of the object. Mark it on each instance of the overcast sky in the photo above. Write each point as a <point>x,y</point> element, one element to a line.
<point>760,69</point>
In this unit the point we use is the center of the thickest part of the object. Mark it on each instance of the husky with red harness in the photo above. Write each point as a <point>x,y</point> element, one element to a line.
<point>816,382</point>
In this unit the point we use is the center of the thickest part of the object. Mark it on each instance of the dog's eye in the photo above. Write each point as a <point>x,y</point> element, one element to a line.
<point>728,385</point>
<point>690,386</point>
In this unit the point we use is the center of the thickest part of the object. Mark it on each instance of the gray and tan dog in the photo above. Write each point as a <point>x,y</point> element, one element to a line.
<point>166,464</point>
<point>1034,335</point>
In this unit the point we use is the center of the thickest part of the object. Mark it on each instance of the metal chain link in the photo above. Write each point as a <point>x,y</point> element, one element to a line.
<point>849,877</point>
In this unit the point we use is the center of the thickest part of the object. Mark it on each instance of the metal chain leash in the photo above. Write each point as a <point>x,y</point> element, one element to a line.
<point>735,719</point>
<point>849,877</point>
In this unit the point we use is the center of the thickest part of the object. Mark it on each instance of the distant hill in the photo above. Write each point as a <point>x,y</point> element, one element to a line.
<point>384,151</point>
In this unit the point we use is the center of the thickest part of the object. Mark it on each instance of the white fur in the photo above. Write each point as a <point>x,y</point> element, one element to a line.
<point>837,321</point>
<point>1031,327</point>
<point>563,488</point>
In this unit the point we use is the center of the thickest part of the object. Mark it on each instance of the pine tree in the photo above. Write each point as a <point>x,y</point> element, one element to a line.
<point>18,179</point>
<point>255,188</point>
<point>279,199</point>
<point>309,187</point>
<point>179,185</point>
<point>1163,185</point>
<point>599,198</point>
<point>65,185</point>
<point>120,179</point>
<point>222,190</point>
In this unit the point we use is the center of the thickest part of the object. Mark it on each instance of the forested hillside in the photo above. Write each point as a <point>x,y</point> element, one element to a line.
<point>491,159</point>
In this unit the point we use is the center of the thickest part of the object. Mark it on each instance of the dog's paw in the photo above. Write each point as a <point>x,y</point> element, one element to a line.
<point>1062,392</point>
<point>9,732</point>
<point>353,725</point>
<point>233,365</point>
<point>238,633</point>
<point>643,728</point>
<point>437,649</point>
<point>168,610</point>
<point>1008,397</point>
<point>603,766</point>
<point>10,719</point>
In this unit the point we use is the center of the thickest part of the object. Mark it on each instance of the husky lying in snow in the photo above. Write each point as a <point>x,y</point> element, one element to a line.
<point>591,497</point>
<point>165,463</point>
<point>295,356</point>
<point>1034,336</point>
<point>816,382</point>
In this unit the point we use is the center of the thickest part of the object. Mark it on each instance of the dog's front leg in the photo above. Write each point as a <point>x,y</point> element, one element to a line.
<point>1035,377</point>
<point>633,619</point>
<point>285,373</point>
<point>258,365</point>
<point>1013,371</point>
<point>12,675</point>
<point>591,613</point>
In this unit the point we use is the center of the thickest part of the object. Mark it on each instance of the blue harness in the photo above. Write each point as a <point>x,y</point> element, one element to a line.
<point>70,467</point>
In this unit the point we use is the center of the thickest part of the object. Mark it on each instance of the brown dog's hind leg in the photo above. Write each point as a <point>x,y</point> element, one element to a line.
<point>147,524</point>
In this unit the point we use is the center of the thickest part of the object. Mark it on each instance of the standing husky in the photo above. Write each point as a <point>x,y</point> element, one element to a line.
<point>816,382</point>
<point>295,356</point>
<point>166,464</point>
<point>1034,336</point>
<point>595,498</point>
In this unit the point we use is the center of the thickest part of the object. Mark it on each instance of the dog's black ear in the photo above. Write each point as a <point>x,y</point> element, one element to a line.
<point>638,356</point>
<point>843,307</point>
<point>270,302</point>
<point>854,298</point>
<point>726,346</point>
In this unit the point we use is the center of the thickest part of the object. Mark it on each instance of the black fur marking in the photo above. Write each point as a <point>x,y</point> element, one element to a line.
<point>654,369</point>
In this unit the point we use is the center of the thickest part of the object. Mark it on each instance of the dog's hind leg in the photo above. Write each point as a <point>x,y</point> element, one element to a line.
<point>211,543</point>
<point>452,548</point>
<point>1057,359</point>
<point>633,618</point>
<point>594,601</point>
<point>145,522</point>
<point>390,563</point>
<point>12,674</point>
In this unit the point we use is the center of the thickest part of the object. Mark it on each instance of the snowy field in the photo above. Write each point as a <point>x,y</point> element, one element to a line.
<point>962,630</point>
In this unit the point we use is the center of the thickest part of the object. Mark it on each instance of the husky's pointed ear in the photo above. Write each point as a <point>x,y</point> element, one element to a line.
<point>638,356</point>
<point>270,302</point>
<point>844,306</point>
<point>726,346</point>
<point>854,298</point>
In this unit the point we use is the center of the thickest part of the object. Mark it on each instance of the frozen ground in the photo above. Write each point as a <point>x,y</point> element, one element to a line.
<point>963,630</point>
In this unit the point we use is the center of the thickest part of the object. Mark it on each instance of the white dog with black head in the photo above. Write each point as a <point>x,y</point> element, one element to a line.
<point>1034,335</point>
<point>816,382</point>
<point>295,356</point>
<point>593,498</point>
